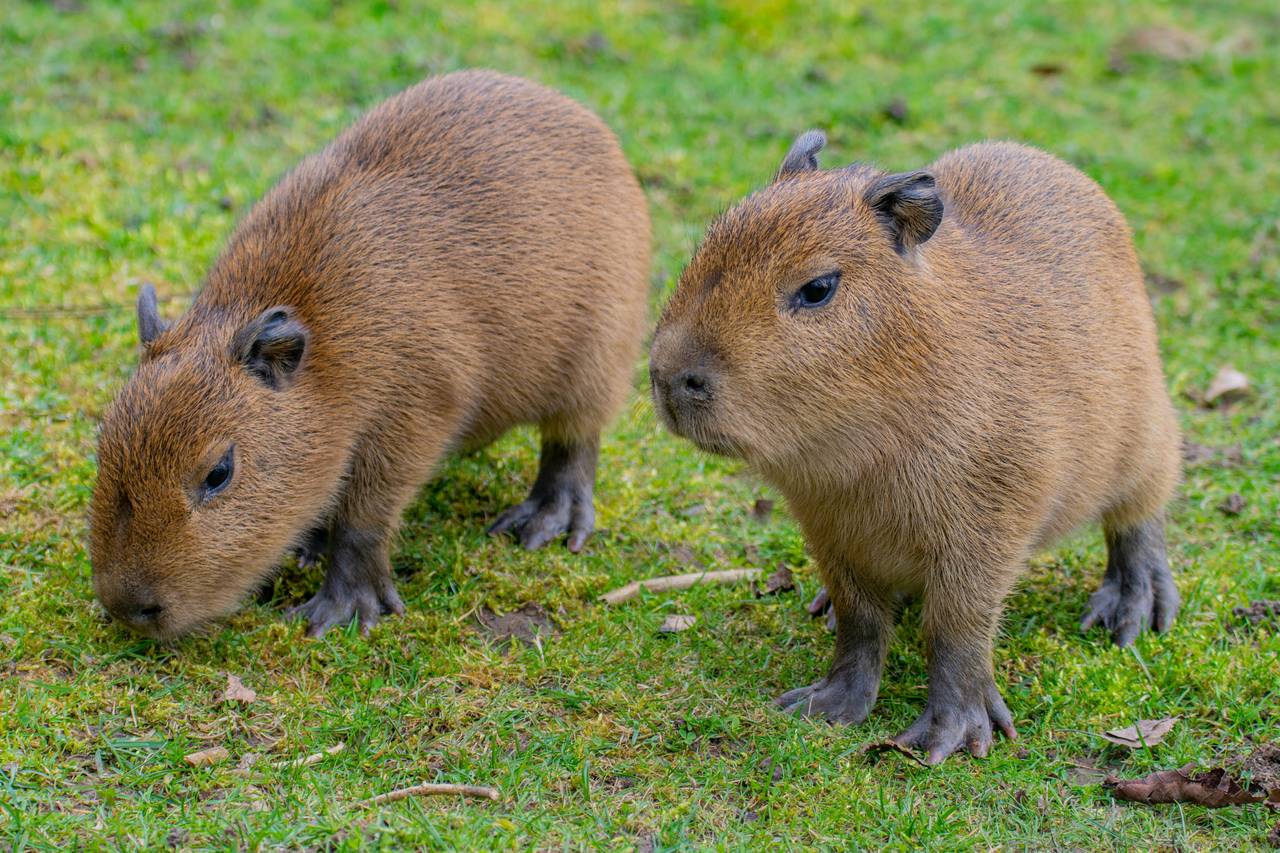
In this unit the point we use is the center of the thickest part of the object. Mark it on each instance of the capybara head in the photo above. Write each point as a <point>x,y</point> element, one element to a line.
<point>207,468</point>
<point>800,324</point>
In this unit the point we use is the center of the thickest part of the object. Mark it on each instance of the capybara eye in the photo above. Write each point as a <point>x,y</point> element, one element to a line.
<point>818,292</point>
<point>219,476</point>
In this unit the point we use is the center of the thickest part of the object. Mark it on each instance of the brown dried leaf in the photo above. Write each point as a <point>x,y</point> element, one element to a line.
<point>206,757</point>
<point>1273,837</point>
<point>1233,505</point>
<point>1047,69</point>
<point>1144,732</point>
<point>1213,789</point>
<point>1228,384</point>
<point>779,581</point>
<point>761,510</point>
<point>1161,41</point>
<point>676,623</point>
<point>877,746</point>
<point>237,692</point>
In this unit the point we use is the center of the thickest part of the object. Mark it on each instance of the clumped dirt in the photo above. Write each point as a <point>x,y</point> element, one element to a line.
<point>526,624</point>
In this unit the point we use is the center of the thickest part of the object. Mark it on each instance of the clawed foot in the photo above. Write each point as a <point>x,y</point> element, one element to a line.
<point>1137,591</point>
<point>325,610</point>
<point>967,723</point>
<point>835,699</point>
<point>560,501</point>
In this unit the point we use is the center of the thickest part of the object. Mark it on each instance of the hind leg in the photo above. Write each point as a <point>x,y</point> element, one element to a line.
<point>1137,591</point>
<point>561,500</point>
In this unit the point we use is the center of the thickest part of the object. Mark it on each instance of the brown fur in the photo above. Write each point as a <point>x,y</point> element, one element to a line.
<point>470,255</point>
<point>960,403</point>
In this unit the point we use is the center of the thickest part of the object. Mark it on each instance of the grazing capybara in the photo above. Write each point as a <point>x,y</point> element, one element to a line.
<point>943,371</point>
<point>470,255</point>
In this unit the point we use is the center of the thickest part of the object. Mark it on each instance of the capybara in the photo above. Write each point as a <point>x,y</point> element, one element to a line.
<point>470,255</point>
<point>943,371</point>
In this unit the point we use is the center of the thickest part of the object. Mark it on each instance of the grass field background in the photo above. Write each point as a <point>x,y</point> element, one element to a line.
<point>133,136</point>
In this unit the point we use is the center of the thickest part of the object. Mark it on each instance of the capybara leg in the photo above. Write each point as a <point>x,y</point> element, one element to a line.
<point>561,500</point>
<point>964,707</point>
<point>1137,590</point>
<point>864,625</point>
<point>313,546</point>
<point>358,583</point>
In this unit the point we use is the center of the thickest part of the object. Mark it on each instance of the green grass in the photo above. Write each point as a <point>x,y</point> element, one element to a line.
<point>133,135</point>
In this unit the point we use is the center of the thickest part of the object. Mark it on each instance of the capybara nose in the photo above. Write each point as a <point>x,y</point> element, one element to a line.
<point>140,612</point>
<point>692,386</point>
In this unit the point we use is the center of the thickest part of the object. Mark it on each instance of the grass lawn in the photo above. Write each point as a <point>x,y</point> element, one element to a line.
<point>133,135</point>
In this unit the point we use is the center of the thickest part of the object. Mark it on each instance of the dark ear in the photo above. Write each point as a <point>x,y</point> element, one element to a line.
<point>149,323</point>
<point>908,205</point>
<point>271,347</point>
<point>803,156</point>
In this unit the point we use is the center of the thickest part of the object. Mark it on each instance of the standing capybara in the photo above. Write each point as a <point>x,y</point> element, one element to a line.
<point>472,254</point>
<point>943,371</point>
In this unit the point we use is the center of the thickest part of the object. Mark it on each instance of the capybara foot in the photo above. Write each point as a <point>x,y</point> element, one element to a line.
<point>357,584</point>
<point>370,603</point>
<point>965,723</point>
<point>1138,591</point>
<point>844,696</point>
<point>560,502</point>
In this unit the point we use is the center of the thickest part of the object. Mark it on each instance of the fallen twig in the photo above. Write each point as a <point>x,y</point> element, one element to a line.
<point>311,759</point>
<point>676,582</point>
<point>482,792</point>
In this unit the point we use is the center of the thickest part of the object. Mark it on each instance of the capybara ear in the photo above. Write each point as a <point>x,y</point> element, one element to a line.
<point>272,346</point>
<point>909,207</point>
<point>149,323</point>
<point>803,156</point>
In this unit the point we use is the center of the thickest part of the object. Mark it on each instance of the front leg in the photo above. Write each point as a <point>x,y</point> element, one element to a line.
<point>561,500</point>
<point>358,583</point>
<point>964,704</point>
<point>864,626</point>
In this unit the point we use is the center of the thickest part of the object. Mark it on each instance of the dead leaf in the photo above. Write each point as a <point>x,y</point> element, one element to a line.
<point>206,757</point>
<point>779,581</point>
<point>245,764</point>
<point>526,624</point>
<point>684,555</point>
<point>1233,505</point>
<point>693,510</point>
<point>237,692</point>
<point>675,623</point>
<point>1228,384</point>
<point>1161,41</point>
<point>877,746</point>
<point>1273,837</point>
<point>1047,69</point>
<point>1213,789</point>
<point>1143,733</point>
<point>761,510</point>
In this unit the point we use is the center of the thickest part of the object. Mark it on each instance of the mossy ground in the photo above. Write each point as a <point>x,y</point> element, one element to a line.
<point>133,135</point>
